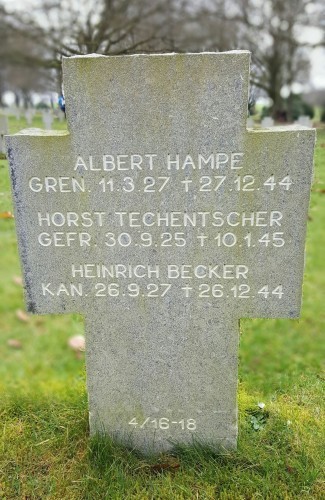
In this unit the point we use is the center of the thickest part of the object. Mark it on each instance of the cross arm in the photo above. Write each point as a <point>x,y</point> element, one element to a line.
<point>37,162</point>
<point>280,159</point>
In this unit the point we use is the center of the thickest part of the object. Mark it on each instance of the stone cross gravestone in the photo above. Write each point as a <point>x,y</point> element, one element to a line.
<point>16,112</point>
<point>60,115</point>
<point>163,220</point>
<point>3,132</point>
<point>29,115</point>
<point>305,121</point>
<point>47,119</point>
<point>267,122</point>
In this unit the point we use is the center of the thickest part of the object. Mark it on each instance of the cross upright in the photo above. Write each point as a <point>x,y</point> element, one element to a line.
<point>162,220</point>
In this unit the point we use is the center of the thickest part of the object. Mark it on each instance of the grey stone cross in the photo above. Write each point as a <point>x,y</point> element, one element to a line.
<point>162,220</point>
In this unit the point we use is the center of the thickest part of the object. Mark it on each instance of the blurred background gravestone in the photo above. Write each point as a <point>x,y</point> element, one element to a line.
<point>47,117</point>
<point>305,121</point>
<point>3,132</point>
<point>29,115</point>
<point>267,122</point>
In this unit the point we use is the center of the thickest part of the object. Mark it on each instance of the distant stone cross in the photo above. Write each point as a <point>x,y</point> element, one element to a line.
<point>3,131</point>
<point>163,221</point>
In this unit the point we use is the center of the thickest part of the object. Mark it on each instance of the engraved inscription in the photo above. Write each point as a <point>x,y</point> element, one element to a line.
<point>215,175</point>
<point>164,423</point>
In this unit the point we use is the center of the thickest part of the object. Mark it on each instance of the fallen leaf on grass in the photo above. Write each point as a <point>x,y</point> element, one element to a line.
<point>6,215</point>
<point>166,463</point>
<point>77,343</point>
<point>22,315</point>
<point>17,280</point>
<point>164,467</point>
<point>14,343</point>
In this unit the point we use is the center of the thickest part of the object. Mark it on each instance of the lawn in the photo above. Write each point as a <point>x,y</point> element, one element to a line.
<point>45,449</point>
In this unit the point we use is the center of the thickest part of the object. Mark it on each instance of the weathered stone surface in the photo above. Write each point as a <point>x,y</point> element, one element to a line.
<point>162,220</point>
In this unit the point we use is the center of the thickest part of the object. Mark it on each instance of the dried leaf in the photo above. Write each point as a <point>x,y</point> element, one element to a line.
<point>322,191</point>
<point>162,467</point>
<point>6,215</point>
<point>18,280</point>
<point>14,343</point>
<point>22,315</point>
<point>290,469</point>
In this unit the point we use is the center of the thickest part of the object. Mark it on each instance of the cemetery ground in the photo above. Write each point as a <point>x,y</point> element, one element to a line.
<point>45,449</point>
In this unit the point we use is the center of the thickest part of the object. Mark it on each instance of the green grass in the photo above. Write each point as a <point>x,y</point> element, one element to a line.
<point>45,450</point>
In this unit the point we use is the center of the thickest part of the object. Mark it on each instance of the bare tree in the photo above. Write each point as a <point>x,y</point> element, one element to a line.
<point>270,30</point>
<point>76,27</point>
<point>21,67</point>
<point>279,59</point>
